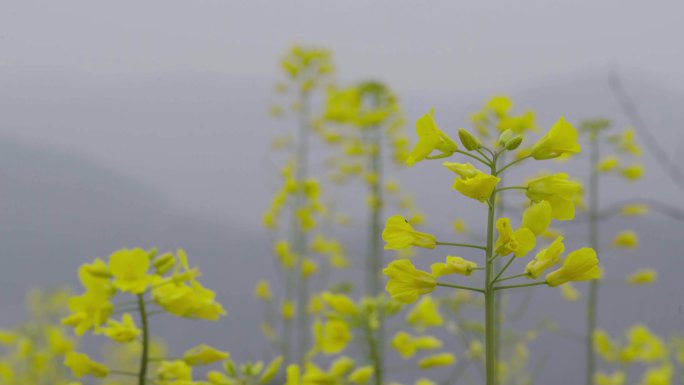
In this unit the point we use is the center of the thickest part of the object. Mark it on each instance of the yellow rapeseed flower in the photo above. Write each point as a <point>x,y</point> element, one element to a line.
<point>537,217</point>
<point>406,283</point>
<point>472,182</point>
<point>437,360</point>
<point>569,292</point>
<point>361,375</point>
<point>430,138</point>
<point>124,331</point>
<point>399,234</point>
<point>616,378</point>
<point>518,242</point>
<point>262,291</point>
<point>608,163</point>
<point>633,172</point>
<point>453,265</point>
<point>333,336</point>
<point>545,259</point>
<point>203,355</point>
<point>129,268</point>
<point>634,210</point>
<point>81,365</point>
<point>561,139</point>
<point>425,314</point>
<point>626,239</point>
<point>642,277</point>
<point>559,191</point>
<point>580,265</point>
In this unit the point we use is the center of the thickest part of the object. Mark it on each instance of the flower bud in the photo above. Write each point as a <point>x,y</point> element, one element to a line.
<point>505,137</point>
<point>468,140</point>
<point>513,143</point>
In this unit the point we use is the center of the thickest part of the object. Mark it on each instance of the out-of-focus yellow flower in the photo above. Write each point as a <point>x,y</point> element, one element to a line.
<point>333,336</point>
<point>81,365</point>
<point>437,360</point>
<point>309,268</point>
<point>453,265</point>
<point>341,366</point>
<point>425,314</point>
<point>634,210</point>
<point>559,191</point>
<point>293,376</point>
<point>430,138</point>
<point>569,292</point>
<point>580,265</point>
<point>658,376</point>
<point>616,378</point>
<point>174,372</point>
<point>499,105</point>
<point>282,250</point>
<point>460,226</point>
<point>537,217</point>
<point>561,139</point>
<point>262,291</point>
<point>608,163</point>
<point>129,268</point>
<point>545,259</point>
<point>626,239</point>
<point>406,283</point>
<point>518,242</point>
<point>287,310</point>
<point>203,355</point>
<point>472,182</point>
<point>88,310</point>
<point>361,375</point>
<point>604,346</point>
<point>475,349</point>
<point>124,331</point>
<point>271,370</point>
<point>642,277</point>
<point>399,234</point>
<point>633,172</point>
<point>340,303</point>
<point>626,143</point>
<point>407,345</point>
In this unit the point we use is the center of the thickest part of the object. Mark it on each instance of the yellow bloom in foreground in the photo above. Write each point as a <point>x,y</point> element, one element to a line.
<point>88,310</point>
<point>633,172</point>
<point>519,242</point>
<point>406,283</point>
<point>658,376</point>
<point>608,163</point>
<point>129,268</point>
<point>626,239</point>
<point>580,265</point>
<point>399,234</point>
<point>472,182</point>
<point>436,360</point>
<point>333,336</point>
<point>430,138</point>
<point>81,365</point>
<point>453,265</point>
<point>559,191</point>
<point>174,372</point>
<point>124,331</point>
<point>537,217</point>
<point>642,277</point>
<point>561,139</point>
<point>203,355</point>
<point>617,378</point>
<point>643,345</point>
<point>425,314</point>
<point>545,259</point>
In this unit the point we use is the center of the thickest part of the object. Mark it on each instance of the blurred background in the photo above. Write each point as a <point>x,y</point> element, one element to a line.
<point>146,124</point>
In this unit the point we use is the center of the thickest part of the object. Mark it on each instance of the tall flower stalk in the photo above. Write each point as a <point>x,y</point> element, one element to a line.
<point>551,197</point>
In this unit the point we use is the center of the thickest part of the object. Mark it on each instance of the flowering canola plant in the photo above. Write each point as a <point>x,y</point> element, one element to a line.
<point>552,197</point>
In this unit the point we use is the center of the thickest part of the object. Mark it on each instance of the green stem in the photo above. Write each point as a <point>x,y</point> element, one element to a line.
<point>489,292</point>
<point>592,298</point>
<point>503,270</point>
<point>460,287</point>
<point>511,164</point>
<point>511,188</point>
<point>462,245</point>
<point>483,161</point>
<point>142,374</point>
<point>521,285</point>
<point>511,277</point>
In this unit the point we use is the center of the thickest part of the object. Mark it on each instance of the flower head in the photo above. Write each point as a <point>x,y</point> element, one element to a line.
<point>518,242</point>
<point>472,182</point>
<point>399,234</point>
<point>129,268</point>
<point>537,217</point>
<point>430,138</point>
<point>580,265</point>
<point>560,140</point>
<point>203,355</point>
<point>545,259</point>
<point>81,365</point>
<point>559,191</point>
<point>406,283</point>
<point>453,265</point>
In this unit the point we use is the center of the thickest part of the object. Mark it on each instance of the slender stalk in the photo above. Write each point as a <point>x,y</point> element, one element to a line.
<point>460,287</point>
<point>511,277</point>
<point>503,270</point>
<point>142,373</point>
<point>462,245</point>
<point>511,188</point>
<point>592,298</point>
<point>489,293</point>
<point>497,288</point>
<point>483,161</point>
<point>499,172</point>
